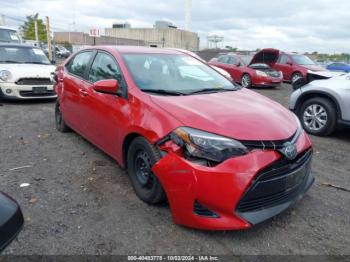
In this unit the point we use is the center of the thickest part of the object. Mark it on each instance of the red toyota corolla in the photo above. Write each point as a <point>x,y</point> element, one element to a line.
<point>225,158</point>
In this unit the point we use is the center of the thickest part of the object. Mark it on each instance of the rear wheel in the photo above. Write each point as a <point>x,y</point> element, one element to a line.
<point>141,158</point>
<point>246,81</point>
<point>60,123</point>
<point>318,116</point>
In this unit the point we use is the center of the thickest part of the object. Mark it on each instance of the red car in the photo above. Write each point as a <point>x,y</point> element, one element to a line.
<point>224,157</point>
<point>246,73</point>
<point>292,65</point>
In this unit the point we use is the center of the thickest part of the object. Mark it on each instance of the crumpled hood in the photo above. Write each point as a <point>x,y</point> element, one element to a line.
<point>314,67</point>
<point>28,70</point>
<point>243,114</point>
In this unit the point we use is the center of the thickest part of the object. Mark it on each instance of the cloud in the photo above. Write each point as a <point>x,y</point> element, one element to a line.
<point>299,25</point>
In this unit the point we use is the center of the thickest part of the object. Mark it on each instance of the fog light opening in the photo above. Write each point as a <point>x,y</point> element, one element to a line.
<point>203,211</point>
<point>8,91</point>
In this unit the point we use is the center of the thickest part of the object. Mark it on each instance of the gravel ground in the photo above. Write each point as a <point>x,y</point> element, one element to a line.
<point>80,202</point>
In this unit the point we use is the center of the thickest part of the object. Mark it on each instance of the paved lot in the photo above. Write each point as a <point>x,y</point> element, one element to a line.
<point>80,202</point>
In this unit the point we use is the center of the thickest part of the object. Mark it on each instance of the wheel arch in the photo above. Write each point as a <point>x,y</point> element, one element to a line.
<point>126,144</point>
<point>297,71</point>
<point>150,136</point>
<point>312,94</point>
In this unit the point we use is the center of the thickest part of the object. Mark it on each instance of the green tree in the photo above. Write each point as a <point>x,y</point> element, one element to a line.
<point>28,28</point>
<point>232,49</point>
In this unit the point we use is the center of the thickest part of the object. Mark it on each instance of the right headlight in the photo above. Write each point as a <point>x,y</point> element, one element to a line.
<point>201,144</point>
<point>5,75</point>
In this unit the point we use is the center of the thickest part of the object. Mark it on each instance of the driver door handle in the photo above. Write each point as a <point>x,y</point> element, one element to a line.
<point>83,92</point>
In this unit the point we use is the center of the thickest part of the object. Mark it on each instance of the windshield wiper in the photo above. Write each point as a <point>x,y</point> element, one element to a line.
<point>163,92</point>
<point>211,90</point>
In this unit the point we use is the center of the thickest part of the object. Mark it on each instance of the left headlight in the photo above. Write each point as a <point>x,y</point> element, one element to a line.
<point>260,73</point>
<point>5,75</point>
<point>201,144</point>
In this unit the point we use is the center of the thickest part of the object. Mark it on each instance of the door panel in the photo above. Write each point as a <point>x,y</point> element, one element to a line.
<point>74,73</point>
<point>103,112</point>
<point>283,66</point>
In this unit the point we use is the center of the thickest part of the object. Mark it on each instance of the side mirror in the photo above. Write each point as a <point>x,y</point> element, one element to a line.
<point>108,86</point>
<point>11,220</point>
<point>238,64</point>
<point>289,63</point>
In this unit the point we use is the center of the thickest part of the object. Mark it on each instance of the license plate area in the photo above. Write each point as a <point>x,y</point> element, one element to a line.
<point>39,89</point>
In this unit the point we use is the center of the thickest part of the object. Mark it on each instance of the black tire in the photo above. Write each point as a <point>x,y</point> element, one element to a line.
<point>140,159</point>
<point>247,84</point>
<point>296,76</point>
<point>59,121</point>
<point>330,118</point>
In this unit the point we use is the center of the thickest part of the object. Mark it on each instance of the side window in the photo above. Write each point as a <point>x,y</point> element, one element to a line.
<point>78,65</point>
<point>232,60</point>
<point>223,59</point>
<point>103,67</point>
<point>283,59</point>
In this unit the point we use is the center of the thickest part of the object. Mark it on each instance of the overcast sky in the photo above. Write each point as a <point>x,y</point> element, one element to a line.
<point>294,25</point>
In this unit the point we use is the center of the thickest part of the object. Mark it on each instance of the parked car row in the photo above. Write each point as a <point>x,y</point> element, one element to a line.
<point>58,50</point>
<point>267,68</point>
<point>248,74</point>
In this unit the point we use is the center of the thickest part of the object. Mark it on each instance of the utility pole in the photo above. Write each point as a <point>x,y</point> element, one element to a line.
<point>188,10</point>
<point>48,35</point>
<point>36,30</point>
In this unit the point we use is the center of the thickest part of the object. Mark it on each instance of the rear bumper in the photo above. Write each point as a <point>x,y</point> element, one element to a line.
<point>13,91</point>
<point>221,189</point>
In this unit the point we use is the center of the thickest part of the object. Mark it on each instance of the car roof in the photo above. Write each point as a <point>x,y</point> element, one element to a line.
<point>8,28</point>
<point>17,45</point>
<point>136,49</point>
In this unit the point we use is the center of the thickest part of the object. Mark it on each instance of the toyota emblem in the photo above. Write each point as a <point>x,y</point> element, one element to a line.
<point>289,151</point>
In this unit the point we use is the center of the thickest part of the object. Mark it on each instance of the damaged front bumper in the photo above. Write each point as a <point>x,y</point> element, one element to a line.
<point>229,196</point>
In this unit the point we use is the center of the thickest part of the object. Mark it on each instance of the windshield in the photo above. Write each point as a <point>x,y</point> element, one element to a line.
<point>22,55</point>
<point>174,74</point>
<point>9,36</point>
<point>302,60</point>
<point>246,59</point>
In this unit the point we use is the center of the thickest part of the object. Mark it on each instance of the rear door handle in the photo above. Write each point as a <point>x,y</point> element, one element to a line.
<point>83,92</point>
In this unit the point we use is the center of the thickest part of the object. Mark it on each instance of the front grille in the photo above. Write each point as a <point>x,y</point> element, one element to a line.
<point>32,94</point>
<point>34,81</point>
<point>274,73</point>
<point>200,210</point>
<point>277,184</point>
<point>273,145</point>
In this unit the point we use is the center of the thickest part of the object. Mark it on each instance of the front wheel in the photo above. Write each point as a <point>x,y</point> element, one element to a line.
<point>141,158</point>
<point>246,81</point>
<point>318,116</point>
